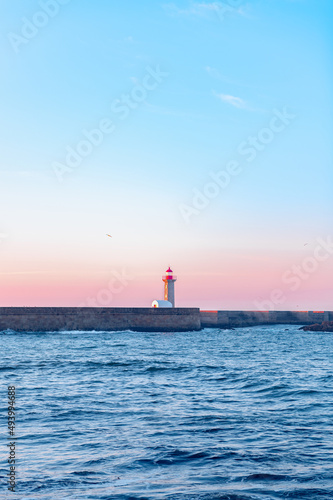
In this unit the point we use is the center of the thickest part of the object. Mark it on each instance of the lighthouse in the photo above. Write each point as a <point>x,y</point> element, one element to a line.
<point>169,286</point>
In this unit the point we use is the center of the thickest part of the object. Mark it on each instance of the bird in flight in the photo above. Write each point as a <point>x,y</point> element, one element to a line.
<point>109,235</point>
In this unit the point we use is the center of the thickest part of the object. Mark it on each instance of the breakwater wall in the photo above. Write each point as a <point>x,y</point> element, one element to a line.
<point>41,319</point>
<point>234,319</point>
<point>149,319</point>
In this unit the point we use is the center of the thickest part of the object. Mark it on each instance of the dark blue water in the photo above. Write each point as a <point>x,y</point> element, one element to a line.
<point>239,415</point>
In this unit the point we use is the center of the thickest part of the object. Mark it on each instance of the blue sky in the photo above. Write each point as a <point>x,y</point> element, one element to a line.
<point>228,68</point>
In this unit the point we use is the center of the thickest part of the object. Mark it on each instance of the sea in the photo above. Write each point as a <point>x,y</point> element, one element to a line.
<point>241,414</point>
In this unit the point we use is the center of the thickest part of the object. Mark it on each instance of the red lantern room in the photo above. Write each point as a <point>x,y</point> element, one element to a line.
<point>168,274</point>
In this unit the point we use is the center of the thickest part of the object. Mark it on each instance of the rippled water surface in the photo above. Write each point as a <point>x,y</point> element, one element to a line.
<point>243,414</point>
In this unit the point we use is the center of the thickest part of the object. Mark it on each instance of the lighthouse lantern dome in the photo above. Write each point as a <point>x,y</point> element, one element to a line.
<point>169,272</point>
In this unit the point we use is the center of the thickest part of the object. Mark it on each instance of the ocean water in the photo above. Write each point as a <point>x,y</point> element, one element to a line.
<point>217,414</point>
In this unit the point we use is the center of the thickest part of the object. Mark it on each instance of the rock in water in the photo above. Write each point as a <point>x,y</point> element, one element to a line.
<point>325,326</point>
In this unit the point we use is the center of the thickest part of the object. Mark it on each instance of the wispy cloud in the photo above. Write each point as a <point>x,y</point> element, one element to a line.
<point>202,9</point>
<point>194,9</point>
<point>237,102</point>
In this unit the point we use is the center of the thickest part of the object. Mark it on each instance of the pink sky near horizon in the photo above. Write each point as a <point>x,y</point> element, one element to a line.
<point>225,280</point>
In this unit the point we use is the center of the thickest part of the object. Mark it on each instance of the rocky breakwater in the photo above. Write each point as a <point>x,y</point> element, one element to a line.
<point>325,326</point>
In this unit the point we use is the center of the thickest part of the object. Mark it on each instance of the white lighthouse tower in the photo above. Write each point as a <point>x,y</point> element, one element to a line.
<point>169,286</point>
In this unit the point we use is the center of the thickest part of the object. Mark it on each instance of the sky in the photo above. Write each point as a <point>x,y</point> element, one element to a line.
<point>196,134</point>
